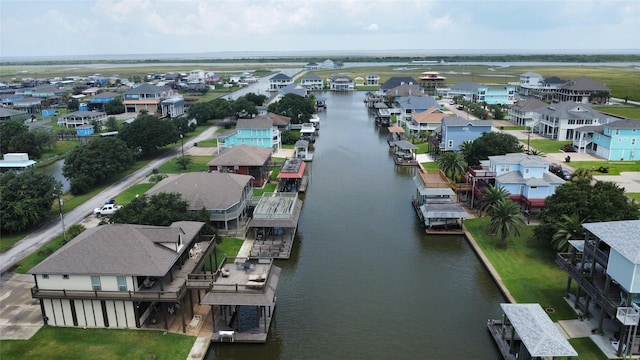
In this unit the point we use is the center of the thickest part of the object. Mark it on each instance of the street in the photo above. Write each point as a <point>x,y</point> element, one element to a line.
<point>48,231</point>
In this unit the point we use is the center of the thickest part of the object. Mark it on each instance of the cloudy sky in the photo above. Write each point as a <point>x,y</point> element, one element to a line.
<point>95,27</point>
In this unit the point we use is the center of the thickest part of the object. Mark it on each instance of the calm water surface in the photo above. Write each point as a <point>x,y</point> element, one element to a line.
<point>364,281</point>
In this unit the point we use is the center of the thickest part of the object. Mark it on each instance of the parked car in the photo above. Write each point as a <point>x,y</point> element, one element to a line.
<point>460,107</point>
<point>565,174</point>
<point>106,209</point>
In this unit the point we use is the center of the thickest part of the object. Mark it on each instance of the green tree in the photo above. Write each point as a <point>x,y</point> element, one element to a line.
<point>506,220</point>
<point>569,227</point>
<point>111,124</point>
<point>452,164</point>
<point>257,100</point>
<point>148,133</point>
<point>114,107</point>
<point>73,104</point>
<point>298,108</point>
<point>160,209</point>
<point>243,107</point>
<point>26,197</point>
<point>582,174</point>
<point>184,161</point>
<point>289,137</point>
<point>92,163</point>
<point>491,195</point>
<point>45,140</point>
<point>490,144</point>
<point>602,201</point>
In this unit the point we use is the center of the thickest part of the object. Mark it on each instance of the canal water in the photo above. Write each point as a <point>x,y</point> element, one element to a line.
<point>364,281</point>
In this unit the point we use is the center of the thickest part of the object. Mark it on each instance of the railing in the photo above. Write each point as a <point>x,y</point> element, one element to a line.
<point>480,172</point>
<point>141,295</point>
<point>600,256</point>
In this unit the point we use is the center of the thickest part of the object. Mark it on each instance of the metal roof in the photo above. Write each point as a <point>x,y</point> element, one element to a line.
<point>539,334</point>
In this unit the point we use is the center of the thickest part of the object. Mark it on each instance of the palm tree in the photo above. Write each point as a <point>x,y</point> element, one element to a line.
<point>466,149</point>
<point>569,227</point>
<point>452,164</point>
<point>184,161</point>
<point>535,152</point>
<point>506,219</point>
<point>491,195</point>
<point>582,174</point>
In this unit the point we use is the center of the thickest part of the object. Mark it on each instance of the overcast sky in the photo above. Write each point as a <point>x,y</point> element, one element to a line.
<point>94,27</point>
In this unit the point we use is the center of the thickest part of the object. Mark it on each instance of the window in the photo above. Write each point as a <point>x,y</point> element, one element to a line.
<point>66,277</point>
<point>45,276</point>
<point>504,168</point>
<point>633,141</point>
<point>122,283</point>
<point>617,131</point>
<point>450,144</point>
<point>95,283</point>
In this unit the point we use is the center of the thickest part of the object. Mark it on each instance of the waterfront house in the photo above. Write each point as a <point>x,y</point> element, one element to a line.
<point>582,90</point>
<point>372,80</point>
<point>431,81</point>
<point>412,104</point>
<point>428,120</point>
<point>149,97</point>
<point>259,131</point>
<point>526,332</point>
<point>245,160</point>
<point>340,83</point>
<point>558,121</point>
<point>405,90</point>
<point>224,195</point>
<point>604,266</point>
<point>312,66</point>
<point>396,81</point>
<point>79,118</point>
<point>526,177</point>
<point>535,86</point>
<point>291,176</point>
<point>328,64</point>
<point>7,114</point>
<point>455,130</point>
<point>123,276</point>
<point>31,105</point>
<point>617,140</point>
<point>278,81</point>
<point>312,82</point>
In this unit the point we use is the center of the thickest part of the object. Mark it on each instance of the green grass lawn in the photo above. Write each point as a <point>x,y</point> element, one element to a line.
<point>631,112</point>
<point>268,188</point>
<point>430,165</point>
<point>587,349</point>
<point>53,154</point>
<point>129,194</point>
<point>548,146</point>
<point>58,343</point>
<point>7,241</point>
<point>615,167</point>
<point>199,164</point>
<point>635,196</point>
<point>515,127</point>
<point>208,143</point>
<point>527,267</point>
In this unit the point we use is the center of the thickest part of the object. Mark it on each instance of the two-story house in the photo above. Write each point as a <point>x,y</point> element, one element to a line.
<point>259,131</point>
<point>246,160</point>
<point>535,86</point>
<point>428,120</point>
<point>477,93</point>
<point>223,194</point>
<point>122,276</point>
<point>455,130</point>
<point>100,99</point>
<point>558,121</point>
<point>526,177</point>
<point>340,83</point>
<point>278,81</point>
<point>605,268</point>
<point>396,81</point>
<point>583,90</point>
<point>149,97</point>
<point>617,140</point>
<point>522,111</point>
<point>79,118</point>
<point>372,80</point>
<point>431,81</point>
<point>312,82</point>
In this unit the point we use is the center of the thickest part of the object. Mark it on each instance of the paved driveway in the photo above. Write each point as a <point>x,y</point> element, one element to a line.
<point>20,315</point>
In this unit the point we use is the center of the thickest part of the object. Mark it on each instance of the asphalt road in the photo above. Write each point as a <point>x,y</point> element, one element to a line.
<point>48,231</point>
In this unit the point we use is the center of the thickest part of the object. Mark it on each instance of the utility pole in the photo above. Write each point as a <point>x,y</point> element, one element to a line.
<point>64,231</point>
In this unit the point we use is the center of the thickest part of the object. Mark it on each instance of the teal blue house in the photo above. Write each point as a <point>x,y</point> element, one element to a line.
<point>260,132</point>
<point>456,130</point>
<point>617,140</point>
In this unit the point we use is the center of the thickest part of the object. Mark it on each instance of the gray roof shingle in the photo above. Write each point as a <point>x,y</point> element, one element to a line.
<point>242,155</point>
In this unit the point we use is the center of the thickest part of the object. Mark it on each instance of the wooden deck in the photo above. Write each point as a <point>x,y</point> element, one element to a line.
<point>495,329</point>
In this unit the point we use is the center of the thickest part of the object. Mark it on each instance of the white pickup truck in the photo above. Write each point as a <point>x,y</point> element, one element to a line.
<point>106,209</point>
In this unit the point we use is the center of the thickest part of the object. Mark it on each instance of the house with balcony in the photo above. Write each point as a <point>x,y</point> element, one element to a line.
<point>100,99</point>
<point>278,81</point>
<point>124,276</point>
<point>535,86</point>
<point>79,118</point>
<point>431,81</point>
<point>428,120</point>
<point>245,160</point>
<point>223,194</point>
<point>526,177</point>
<point>455,130</point>
<point>522,111</point>
<point>414,104</point>
<point>7,114</point>
<point>583,90</point>
<point>259,131</point>
<point>149,97</point>
<point>405,90</point>
<point>434,203</point>
<point>312,82</point>
<point>617,140</point>
<point>396,81</point>
<point>605,268</point>
<point>340,83</point>
<point>372,80</point>
<point>489,94</point>
<point>558,121</point>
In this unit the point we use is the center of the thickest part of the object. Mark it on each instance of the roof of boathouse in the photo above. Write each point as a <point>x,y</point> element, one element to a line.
<point>539,334</point>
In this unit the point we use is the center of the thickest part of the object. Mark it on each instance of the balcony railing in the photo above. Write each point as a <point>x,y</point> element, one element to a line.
<point>601,257</point>
<point>140,295</point>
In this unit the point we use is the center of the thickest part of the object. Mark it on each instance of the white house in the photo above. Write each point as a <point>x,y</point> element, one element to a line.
<point>278,81</point>
<point>559,121</point>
